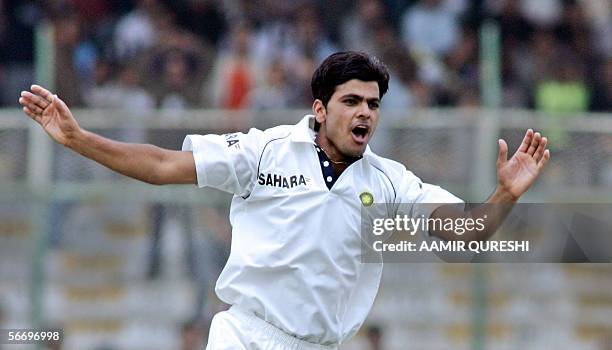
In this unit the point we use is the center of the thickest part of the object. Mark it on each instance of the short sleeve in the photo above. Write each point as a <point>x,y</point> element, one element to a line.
<point>226,162</point>
<point>432,197</point>
<point>417,198</point>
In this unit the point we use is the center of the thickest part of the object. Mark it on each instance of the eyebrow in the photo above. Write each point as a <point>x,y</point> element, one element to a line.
<point>360,98</point>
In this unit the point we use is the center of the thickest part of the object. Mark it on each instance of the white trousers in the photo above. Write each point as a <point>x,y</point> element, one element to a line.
<point>236,329</point>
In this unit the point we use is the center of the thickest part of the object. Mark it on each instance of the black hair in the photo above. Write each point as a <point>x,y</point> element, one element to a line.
<point>341,67</point>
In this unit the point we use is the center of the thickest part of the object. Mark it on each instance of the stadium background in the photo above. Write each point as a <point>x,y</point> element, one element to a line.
<point>123,265</point>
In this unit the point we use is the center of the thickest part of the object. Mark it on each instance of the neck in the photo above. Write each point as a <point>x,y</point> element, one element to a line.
<point>331,151</point>
<point>339,162</point>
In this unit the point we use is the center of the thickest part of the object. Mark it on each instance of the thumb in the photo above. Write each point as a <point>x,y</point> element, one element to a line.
<point>502,156</point>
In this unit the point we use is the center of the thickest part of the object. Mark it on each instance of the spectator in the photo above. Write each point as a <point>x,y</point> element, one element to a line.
<point>332,15</point>
<point>430,27</point>
<point>534,65</point>
<point>602,89</point>
<point>565,91</point>
<point>102,92</point>
<point>404,68</point>
<point>235,72</point>
<point>516,34</point>
<point>94,12</point>
<point>180,75</point>
<point>68,37</point>
<point>463,72</point>
<point>358,29</point>
<point>515,28</point>
<point>182,61</point>
<point>400,97</point>
<point>574,29</point>
<point>271,38</point>
<point>136,31</point>
<point>3,45</point>
<point>125,93</point>
<point>204,18</point>
<point>274,93</point>
<point>101,19</point>
<point>299,82</point>
<point>543,13</point>
<point>309,40</point>
<point>153,32</point>
<point>17,22</point>
<point>600,18</point>
<point>563,94</point>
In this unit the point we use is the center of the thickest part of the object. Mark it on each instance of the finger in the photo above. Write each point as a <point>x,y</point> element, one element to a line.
<point>31,105</point>
<point>526,141</point>
<point>62,108</point>
<point>32,115</point>
<point>535,141</point>
<point>39,101</point>
<point>540,150</point>
<point>41,91</point>
<point>544,159</point>
<point>60,105</point>
<point>502,156</point>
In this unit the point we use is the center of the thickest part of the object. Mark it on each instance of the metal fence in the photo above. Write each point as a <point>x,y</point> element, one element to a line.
<point>83,248</point>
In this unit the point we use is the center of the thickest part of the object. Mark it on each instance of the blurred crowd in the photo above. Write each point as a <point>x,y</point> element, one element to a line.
<point>244,54</point>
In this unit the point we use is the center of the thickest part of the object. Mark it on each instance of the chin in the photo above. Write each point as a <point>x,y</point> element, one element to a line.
<point>355,152</point>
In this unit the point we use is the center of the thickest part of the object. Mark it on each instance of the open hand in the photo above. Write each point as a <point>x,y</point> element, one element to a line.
<point>50,112</point>
<point>517,174</point>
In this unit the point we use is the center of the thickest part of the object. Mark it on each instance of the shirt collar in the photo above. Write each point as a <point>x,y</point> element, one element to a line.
<point>303,131</point>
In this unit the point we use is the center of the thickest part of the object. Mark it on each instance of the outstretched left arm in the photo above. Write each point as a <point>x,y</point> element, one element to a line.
<point>514,177</point>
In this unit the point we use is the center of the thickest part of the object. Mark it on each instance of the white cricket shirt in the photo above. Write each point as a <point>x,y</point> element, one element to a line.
<point>295,252</point>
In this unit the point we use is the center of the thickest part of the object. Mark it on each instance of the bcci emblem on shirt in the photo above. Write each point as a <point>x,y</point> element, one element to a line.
<point>367,199</point>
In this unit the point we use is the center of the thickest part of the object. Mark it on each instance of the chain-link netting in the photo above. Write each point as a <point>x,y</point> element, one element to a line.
<point>113,261</point>
<point>13,153</point>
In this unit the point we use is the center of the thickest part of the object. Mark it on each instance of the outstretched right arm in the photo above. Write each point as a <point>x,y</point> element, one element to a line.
<point>146,163</point>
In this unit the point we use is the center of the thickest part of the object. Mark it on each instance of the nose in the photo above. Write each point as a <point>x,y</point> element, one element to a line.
<point>364,110</point>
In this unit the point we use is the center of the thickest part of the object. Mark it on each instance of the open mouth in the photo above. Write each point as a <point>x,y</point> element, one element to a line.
<point>360,133</point>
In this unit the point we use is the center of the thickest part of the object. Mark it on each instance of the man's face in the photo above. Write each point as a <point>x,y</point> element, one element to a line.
<point>350,118</point>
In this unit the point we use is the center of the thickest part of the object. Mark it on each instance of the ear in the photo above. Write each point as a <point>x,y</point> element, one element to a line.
<point>319,111</point>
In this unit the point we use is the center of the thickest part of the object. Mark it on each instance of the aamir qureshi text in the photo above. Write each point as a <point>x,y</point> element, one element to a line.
<point>459,226</point>
<point>452,246</point>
